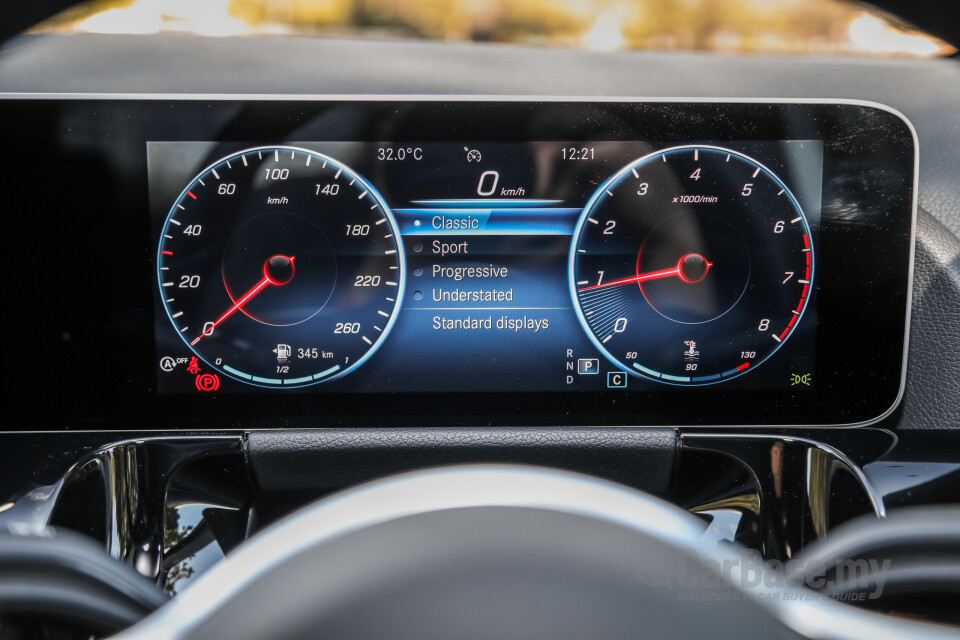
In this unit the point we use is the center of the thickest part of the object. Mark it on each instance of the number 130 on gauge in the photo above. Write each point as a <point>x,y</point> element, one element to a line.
<point>691,265</point>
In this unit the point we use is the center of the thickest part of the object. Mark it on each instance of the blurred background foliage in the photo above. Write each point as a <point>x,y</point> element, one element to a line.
<point>736,26</point>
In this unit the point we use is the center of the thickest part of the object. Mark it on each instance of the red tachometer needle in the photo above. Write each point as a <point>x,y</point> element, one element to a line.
<point>696,270</point>
<point>279,265</point>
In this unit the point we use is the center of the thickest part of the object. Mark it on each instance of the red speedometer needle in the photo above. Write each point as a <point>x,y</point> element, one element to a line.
<point>690,268</point>
<point>277,270</point>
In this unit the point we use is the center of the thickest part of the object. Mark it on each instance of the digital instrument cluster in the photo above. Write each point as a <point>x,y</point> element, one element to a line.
<point>487,266</point>
<point>241,262</point>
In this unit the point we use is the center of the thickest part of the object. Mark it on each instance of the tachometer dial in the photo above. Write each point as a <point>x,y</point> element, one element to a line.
<point>281,267</point>
<point>691,266</point>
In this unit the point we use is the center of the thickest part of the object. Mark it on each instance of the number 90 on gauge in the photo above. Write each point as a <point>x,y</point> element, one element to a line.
<point>691,266</point>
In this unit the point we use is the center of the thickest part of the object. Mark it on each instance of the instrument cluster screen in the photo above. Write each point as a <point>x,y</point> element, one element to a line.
<point>245,262</point>
<point>484,266</point>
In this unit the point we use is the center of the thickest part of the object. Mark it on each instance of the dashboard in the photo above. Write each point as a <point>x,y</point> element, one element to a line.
<point>475,261</point>
<point>384,264</point>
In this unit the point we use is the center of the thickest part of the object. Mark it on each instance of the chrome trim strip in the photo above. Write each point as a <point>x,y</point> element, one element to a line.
<point>876,498</point>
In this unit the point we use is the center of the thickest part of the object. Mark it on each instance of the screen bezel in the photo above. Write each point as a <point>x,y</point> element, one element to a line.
<point>862,143</point>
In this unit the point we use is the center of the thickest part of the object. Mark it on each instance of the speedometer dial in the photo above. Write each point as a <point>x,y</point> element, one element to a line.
<point>281,267</point>
<point>691,266</point>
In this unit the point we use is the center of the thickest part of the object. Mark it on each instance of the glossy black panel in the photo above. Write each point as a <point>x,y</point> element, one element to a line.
<point>77,187</point>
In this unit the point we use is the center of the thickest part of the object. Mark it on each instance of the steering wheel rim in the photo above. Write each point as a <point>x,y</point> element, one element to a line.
<point>389,540</point>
